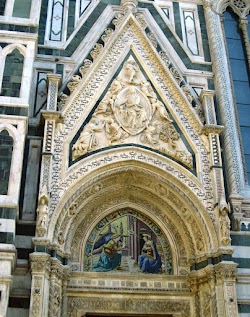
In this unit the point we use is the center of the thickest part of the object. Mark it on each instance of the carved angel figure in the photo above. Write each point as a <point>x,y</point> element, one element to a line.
<point>149,135</point>
<point>131,69</point>
<point>116,86</point>
<point>158,105</point>
<point>114,132</point>
<point>147,89</point>
<point>88,139</point>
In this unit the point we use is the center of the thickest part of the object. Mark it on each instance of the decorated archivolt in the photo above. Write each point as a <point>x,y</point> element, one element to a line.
<point>130,112</point>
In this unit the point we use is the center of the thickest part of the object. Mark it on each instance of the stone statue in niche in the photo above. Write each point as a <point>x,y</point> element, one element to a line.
<point>224,222</point>
<point>42,214</point>
<point>127,241</point>
<point>130,112</point>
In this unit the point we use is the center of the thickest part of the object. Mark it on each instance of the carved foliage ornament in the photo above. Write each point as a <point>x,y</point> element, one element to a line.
<point>131,112</point>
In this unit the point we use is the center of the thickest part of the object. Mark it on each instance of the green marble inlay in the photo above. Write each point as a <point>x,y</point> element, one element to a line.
<point>243,263</point>
<point>177,19</point>
<point>6,237</point>
<point>7,213</point>
<point>12,76</point>
<point>172,39</point>
<point>85,28</point>
<point>2,6</point>
<point>6,146</point>
<point>244,308</point>
<point>213,261</point>
<point>71,17</point>
<point>18,28</point>
<point>15,111</point>
<point>240,240</point>
<point>42,22</point>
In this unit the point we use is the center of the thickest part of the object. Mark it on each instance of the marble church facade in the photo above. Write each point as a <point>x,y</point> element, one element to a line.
<point>124,158</point>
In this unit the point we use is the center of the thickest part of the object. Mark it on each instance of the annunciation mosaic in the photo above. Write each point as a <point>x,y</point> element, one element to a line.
<point>127,241</point>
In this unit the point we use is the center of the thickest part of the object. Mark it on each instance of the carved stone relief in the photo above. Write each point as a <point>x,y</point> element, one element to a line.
<point>130,112</point>
<point>128,305</point>
<point>81,100</point>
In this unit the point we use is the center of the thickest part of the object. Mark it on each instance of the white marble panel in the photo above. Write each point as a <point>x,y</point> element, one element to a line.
<point>20,312</point>
<point>7,225</point>
<point>241,252</point>
<point>243,291</point>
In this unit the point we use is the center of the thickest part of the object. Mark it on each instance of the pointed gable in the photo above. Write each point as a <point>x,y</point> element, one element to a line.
<point>130,65</point>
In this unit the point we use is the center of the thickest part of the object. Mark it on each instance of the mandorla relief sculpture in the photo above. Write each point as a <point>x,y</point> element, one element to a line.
<point>131,112</point>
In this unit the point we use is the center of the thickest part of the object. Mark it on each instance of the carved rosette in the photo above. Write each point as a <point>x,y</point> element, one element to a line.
<point>130,112</point>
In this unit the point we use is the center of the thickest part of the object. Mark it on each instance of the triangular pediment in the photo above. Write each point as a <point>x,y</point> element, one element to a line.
<point>131,113</point>
<point>130,94</point>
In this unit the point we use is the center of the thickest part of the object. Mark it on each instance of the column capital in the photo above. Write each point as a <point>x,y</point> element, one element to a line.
<point>243,23</point>
<point>40,262</point>
<point>54,77</point>
<point>226,270</point>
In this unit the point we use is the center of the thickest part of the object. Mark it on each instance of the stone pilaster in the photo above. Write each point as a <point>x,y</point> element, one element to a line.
<point>66,275</point>
<point>58,285</point>
<point>7,261</point>
<point>40,270</point>
<point>212,130</point>
<point>226,292</point>
<point>214,290</point>
<point>49,117</point>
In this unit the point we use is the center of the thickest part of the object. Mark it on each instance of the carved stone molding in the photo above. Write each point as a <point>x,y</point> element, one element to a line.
<point>128,305</point>
<point>94,189</point>
<point>157,284</point>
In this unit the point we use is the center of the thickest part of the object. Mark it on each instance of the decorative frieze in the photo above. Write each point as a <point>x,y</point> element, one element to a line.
<point>128,305</point>
<point>91,282</point>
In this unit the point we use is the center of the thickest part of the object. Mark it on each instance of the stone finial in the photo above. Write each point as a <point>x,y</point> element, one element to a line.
<point>129,5</point>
